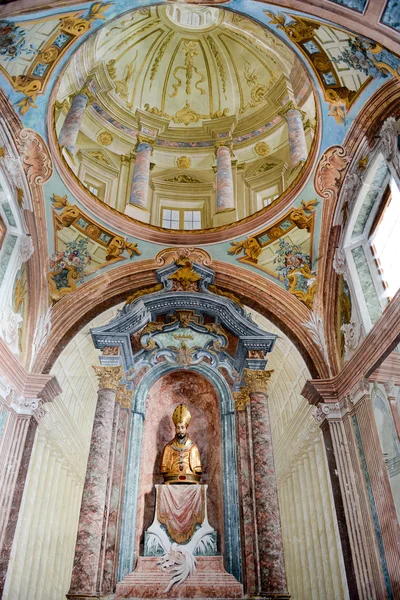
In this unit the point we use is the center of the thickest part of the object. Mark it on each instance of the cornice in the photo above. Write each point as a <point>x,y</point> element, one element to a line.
<point>376,346</point>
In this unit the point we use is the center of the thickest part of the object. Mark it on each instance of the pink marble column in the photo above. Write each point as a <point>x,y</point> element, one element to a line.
<point>141,175</point>
<point>296,135</point>
<point>73,121</point>
<point>224,185</point>
<point>85,572</point>
<point>269,535</point>
<point>250,560</point>
<point>112,516</point>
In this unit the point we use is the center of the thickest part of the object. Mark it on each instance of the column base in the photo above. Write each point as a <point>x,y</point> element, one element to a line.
<point>271,596</point>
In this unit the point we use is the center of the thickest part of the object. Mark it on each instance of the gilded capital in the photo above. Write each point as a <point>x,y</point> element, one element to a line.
<point>144,139</point>
<point>124,397</point>
<point>257,381</point>
<point>109,377</point>
<point>242,399</point>
<point>224,143</point>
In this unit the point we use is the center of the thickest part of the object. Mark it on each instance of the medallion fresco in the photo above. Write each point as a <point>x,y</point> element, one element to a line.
<point>344,69</point>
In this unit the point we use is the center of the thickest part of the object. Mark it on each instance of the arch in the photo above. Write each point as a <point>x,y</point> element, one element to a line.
<point>127,556</point>
<point>76,309</point>
<point>359,141</point>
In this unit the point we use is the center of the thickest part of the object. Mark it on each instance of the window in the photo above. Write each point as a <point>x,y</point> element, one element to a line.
<point>269,199</point>
<point>92,188</point>
<point>170,219</point>
<point>192,219</point>
<point>181,219</point>
<point>384,239</point>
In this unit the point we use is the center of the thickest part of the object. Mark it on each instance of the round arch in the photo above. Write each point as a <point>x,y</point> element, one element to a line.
<point>76,309</point>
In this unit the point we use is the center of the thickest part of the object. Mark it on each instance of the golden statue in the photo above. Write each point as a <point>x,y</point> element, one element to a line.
<point>180,461</point>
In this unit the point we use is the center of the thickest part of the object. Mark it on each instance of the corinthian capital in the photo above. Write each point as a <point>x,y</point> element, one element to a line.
<point>109,377</point>
<point>241,399</point>
<point>257,381</point>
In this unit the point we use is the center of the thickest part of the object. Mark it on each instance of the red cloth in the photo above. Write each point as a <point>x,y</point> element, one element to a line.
<point>180,508</point>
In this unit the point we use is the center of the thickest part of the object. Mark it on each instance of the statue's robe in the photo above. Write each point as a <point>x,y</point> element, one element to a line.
<point>180,463</point>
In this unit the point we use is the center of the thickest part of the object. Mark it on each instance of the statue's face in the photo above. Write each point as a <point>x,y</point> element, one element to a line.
<point>181,430</point>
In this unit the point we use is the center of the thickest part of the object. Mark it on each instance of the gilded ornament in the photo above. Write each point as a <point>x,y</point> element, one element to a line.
<point>99,156</point>
<point>170,255</point>
<point>267,166</point>
<point>257,381</point>
<point>216,290</point>
<point>124,397</point>
<point>190,49</point>
<point>109,377</point>
<point>117,245</point>
<point>159,56</point>
<point>150,290</point>
<point>49,55</point>
<point>242,399</point>
<point>249,246</point>
<point>185,276</point>
<point>219,61</point>
<point>183,179</point>
<point>105,138</point>
<point>262,149</point>
<point>303,217</point>
<point>183,162</point>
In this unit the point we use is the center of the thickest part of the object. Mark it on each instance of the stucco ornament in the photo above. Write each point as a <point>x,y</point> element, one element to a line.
<point>316,327</point>
<point>388,139</point>
<point>35,157</point>
<point>339,261</point>
<point>352,335</point>
<point>170,255</point>
<point>330,172</point>
<point>26,249</point>
<point>9,323</point>
<point>43,329</point>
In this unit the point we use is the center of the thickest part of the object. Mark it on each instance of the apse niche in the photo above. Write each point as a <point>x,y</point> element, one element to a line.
<point>184,118</point>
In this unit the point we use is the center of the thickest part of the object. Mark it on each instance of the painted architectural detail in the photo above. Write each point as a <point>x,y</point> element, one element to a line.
<point>35,157</point>
<point>316,327</point>
<point>330,172</point>
<point>224,185</point>
<point>73,121</point>
<point>141,174</point>
<point>388,142</point>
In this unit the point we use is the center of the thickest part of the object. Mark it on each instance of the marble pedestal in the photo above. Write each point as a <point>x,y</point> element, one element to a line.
<point>180,516</point>
<point>209,581</point>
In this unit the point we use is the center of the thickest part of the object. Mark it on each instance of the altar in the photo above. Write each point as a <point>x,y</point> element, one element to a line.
<point>180,551</point>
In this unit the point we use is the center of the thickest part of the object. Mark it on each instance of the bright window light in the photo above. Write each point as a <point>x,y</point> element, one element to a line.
<point>192,219</point>
<point>170,219</point>
<point>386,242</point>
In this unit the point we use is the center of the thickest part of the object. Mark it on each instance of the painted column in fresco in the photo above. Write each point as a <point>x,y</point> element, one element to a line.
<point>141,174</point>
<point>245,467</point>
<point>224,185</point>
<point>269,535</point>
<point>115,487</point>
<point>88,544</point>
<point>73,121</point>
<point>296,135</point>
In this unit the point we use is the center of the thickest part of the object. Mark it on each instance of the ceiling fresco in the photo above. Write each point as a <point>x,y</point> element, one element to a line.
<point>185,80</point>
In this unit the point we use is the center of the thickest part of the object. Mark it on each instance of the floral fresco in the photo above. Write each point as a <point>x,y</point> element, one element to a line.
<point>370,58</point>
<point>13,41</point>
<point>67,267</point>
<point>294,268</point>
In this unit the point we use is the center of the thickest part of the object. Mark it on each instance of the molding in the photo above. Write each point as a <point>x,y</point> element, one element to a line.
<point>72,312</point>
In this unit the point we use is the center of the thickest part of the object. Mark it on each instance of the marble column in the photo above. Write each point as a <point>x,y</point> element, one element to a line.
<point>296,135</point>
<point>141,173</point>
<point>114,496</point>
<point>73,121</point>
<point>224,185</point>
<point>85,572</point>
<point>269,534</point>
<point>247,500</point>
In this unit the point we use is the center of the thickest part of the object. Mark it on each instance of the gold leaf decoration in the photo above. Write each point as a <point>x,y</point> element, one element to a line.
<point>183,162</point>
<point>262,149</point>
<point>219,61</point>
<point>159,56</point>
<point>105,138</point>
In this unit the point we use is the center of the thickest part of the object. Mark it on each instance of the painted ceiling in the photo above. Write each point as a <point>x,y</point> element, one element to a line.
<point>193,74</point>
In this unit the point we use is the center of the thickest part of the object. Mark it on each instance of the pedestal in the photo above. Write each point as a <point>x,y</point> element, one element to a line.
<point>180,549</point>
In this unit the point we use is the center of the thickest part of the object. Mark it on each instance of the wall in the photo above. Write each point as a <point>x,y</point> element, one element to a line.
<point>44,543</point>
<point>313,556</point>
